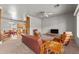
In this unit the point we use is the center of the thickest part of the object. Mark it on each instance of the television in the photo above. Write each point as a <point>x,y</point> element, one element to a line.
<point>55,31</point>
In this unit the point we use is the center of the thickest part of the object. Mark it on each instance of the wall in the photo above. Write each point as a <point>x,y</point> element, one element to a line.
<point>64,22</point>
<point>35,24</point>
<point>7,26</point>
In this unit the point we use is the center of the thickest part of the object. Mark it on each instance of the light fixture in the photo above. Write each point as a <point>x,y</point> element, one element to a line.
<point>13,12</point>
<point>57,5</point>
<point>45,14</point>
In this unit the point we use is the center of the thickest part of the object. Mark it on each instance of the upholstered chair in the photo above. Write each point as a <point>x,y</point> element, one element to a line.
<point>52,47</point>
<point>66,37</point>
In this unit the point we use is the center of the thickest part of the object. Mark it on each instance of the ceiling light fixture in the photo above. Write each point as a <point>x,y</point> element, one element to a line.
<point>13,13</point>
<point>45,14</point>
<point>57,5</point>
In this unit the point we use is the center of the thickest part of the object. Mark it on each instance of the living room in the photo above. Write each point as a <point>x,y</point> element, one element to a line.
<point>47,22</point>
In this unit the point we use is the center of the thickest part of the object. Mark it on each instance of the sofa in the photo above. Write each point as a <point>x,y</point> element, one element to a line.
<point>32,42</point>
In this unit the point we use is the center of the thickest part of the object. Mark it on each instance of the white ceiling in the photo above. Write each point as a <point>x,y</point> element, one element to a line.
<point>20,10</point>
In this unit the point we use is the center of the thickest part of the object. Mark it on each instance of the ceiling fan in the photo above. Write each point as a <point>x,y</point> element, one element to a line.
<point>47,14</point>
